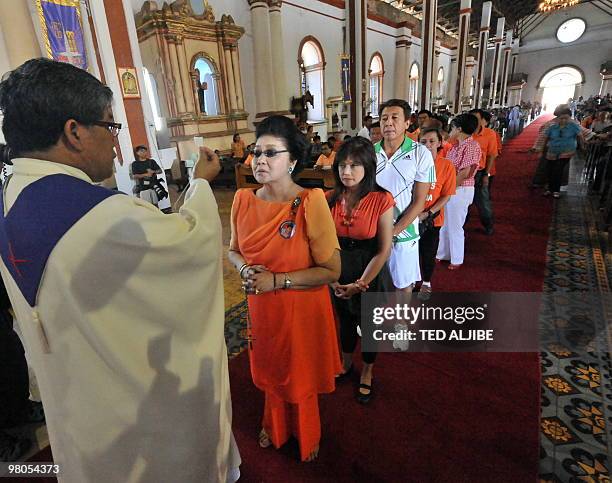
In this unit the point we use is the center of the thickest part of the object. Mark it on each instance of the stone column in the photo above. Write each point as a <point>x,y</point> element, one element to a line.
<point>264,81</point>
<point>406,73</point>
<point>237,78</point>
<point>281,97</point>
<point>464,29</point>
<point>230,82</point>
<point>186,77</point>
<point>19,35</point>
<point>606,84</point>
<point>506,67</point>
<point>499,38</point>
<point>356,15</point>
<point>452,79</point>
<point>401,69</point>
<point>483,40</point>
<point>434,73</point>
<point>175,76</point>
<point>428,46</point>
<point>470,63</point>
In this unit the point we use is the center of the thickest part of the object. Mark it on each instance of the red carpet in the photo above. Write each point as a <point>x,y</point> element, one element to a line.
<point>435,417</point>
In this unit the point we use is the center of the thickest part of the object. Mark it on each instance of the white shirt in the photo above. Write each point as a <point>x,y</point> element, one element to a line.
<point>135,382</point>
<point>364,132</point>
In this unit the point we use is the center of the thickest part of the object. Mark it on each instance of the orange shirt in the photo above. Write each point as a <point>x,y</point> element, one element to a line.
<point>499,150</point>
<point>326,160</point>
<point>249,160</point>
<point>446,148</point>
<point>487,139</point>
<point>445,185</point>
<point>364,217</point>
<point>238,149</point>
<point>414,135</point>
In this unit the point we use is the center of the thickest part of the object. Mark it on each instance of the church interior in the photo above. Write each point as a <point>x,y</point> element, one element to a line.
<point>193,74</point>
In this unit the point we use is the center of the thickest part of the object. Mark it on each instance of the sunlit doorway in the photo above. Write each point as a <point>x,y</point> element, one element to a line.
<point>559,86</point>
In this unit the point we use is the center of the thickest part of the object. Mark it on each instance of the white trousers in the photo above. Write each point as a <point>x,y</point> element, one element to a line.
<point>452,239</point>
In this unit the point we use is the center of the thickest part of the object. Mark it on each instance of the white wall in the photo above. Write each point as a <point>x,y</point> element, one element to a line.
<point>541,51</point>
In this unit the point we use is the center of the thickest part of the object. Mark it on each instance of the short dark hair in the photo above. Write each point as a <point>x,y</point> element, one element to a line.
<point>361,151</point>
<point>467,122</point>
<point>235,136</point>
<point>347,137</point>
<point>284,128</point>
<point>367,117</point>
<point>396,103</point>
<point>331,139</point>
<point>139,148</point>
<point>375,124</point>
<point>39,97</point>
<point>560,111</point>
<point>316,138</point>
<point>425,111</point>
<point>486,115</point>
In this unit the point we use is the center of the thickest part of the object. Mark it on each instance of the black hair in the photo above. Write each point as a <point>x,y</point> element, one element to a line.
<point>347,137</point>
<point>5,154</point>
<point>331,139</point>
<point>486,115</point>
<point>330,144</point>
<point>138,148</point>
<point>316,137</point>
<point>366,118</point>
<point>467,122</point>
<point>396,103</point>
<point>375,124</point>
<point>284,128</point>
<point>41,95</point>
<point>425,111</point>
<point>234,137</point>
<point>432,129</point>
<point>361,151</point>
<point>560,111</point>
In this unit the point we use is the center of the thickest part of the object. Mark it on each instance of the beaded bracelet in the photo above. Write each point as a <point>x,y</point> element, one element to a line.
<point>241,269</point>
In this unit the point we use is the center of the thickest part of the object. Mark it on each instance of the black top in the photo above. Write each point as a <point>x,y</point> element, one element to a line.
<point>141,167</point>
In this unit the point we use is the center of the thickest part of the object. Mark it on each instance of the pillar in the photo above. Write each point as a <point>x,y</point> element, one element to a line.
<point>401,69</point>
<point>464,29</point>
<point>483,40</point>
<point>264,80</point>
<point>499,38</point>
<point>452,80</point>
<point>237,78</point>
<point>606,84</point>
<point>19,34</point>
<point>185,68</point>
<point>470,64</point>
<point>514,60</point>
<point>281,98</point>
<point>434,73</point>
<point>229,81</point>
<point>175,75</point>
<point>406,73</point>
<point>514,94</point>
<point>356,16</point>
<point>505,68</point>
<point>428,47</point>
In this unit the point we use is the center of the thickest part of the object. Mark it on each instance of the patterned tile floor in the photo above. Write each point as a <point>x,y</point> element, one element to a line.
<point>576,421</point>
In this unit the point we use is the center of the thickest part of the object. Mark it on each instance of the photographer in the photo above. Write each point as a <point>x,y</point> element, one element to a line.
<point>144,171</point>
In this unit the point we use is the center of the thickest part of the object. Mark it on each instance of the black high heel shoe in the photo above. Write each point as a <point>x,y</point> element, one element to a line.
<point>343,376</point>
<point>365,398</point>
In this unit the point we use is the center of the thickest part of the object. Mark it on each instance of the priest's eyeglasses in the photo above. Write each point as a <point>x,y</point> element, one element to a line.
<point>268,153</point>
<point>113,127</point>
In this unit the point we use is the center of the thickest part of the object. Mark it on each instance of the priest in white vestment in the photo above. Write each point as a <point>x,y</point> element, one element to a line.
<point>120,306</point>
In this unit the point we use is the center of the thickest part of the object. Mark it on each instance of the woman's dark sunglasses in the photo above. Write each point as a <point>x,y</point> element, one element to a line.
<point>268,153</point>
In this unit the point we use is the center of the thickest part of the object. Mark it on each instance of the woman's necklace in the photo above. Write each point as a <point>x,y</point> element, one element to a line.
<point>348,216</point>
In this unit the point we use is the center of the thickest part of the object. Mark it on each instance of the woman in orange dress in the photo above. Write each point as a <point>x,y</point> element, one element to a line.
<point>283,242</point>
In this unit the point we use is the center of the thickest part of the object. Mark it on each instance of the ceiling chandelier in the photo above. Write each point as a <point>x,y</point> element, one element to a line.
<point>554,5</point>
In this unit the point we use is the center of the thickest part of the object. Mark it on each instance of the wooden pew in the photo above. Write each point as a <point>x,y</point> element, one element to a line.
<point>319,178</point>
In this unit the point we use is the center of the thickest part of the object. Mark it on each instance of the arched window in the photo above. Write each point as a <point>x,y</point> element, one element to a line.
<point>440,81</point>
<point>151,88</point>
<point>312,66</point>
<point>559,85</point>
<point>413,90</point>
<point>377,71</point>
<point>207,94</point>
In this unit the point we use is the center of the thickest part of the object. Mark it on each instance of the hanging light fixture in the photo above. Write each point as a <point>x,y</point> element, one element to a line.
<point>554,5</point>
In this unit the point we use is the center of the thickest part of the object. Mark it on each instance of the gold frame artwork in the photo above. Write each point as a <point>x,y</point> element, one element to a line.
<point>129,82</point>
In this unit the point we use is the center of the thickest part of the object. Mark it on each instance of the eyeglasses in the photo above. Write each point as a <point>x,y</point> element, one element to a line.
<point>268,153</point>
<point>113,127</point>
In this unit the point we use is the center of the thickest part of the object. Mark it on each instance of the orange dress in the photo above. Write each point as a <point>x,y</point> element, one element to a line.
<point>294,352</point>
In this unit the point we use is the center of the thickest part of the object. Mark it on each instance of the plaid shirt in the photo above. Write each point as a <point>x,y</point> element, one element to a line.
<point>463,155</point>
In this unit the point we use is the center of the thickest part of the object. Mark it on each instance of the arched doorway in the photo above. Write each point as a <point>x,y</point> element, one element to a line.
<point>559,85</point>
<point>377,72</point>
<point>311,62</point>
<point>413,85</point>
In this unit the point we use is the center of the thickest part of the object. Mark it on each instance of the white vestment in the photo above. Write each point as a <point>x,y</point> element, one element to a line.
<point>134,381</point>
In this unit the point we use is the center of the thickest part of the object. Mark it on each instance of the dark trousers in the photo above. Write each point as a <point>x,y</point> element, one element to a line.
<point>540,175</point>
<point>14,380</point>
<point>428,247</point>
<point>348,339</point>
<point>556,168</point>
<point>482,200</point>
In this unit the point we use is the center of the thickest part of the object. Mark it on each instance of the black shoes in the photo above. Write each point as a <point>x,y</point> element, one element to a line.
<point>365,398</point>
